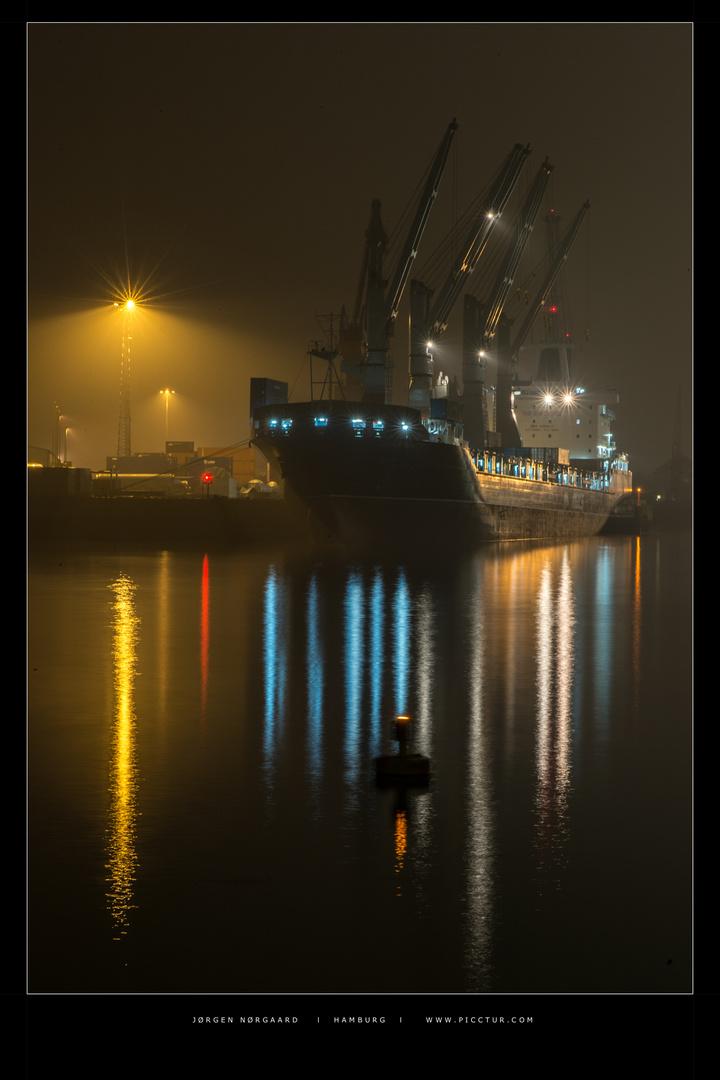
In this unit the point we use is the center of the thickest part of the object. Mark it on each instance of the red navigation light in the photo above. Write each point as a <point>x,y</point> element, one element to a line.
<point>207,478</point>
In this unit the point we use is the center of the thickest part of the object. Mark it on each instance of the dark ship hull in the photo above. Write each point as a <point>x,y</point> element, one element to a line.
<point>371,476</point>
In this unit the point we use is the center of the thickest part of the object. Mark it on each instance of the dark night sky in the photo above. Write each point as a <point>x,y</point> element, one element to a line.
<point>233,166</point>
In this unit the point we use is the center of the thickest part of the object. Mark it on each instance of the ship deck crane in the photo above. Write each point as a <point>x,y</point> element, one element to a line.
<point>383,298</point>
<point>480,320</point>
<point>428,321</point>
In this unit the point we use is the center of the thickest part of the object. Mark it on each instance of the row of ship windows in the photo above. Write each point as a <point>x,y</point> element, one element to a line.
<point>358,425</point>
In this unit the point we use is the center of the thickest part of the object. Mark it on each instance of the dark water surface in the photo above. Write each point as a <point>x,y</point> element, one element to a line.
<point>203,815</point>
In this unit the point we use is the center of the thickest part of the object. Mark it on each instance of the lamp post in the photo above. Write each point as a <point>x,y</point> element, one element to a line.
<point>166,392</point>
<point>57,421</point>
<point>124,444</point>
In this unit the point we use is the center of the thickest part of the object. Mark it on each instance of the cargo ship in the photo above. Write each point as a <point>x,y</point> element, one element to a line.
<point>360,476</point>
<point>361,471</point>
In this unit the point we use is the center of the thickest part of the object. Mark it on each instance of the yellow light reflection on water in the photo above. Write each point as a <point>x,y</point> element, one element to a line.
<point>401,837</point>
<point>123,765</point>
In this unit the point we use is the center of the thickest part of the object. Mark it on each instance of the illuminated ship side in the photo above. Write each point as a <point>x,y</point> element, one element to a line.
<point>361,476</point>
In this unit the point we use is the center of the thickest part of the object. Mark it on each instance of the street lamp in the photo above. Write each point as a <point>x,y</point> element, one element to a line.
<point>124,443</point>
<point>167,394</point>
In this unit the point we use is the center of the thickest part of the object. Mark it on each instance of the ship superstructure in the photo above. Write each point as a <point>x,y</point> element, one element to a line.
<point>551,405</point>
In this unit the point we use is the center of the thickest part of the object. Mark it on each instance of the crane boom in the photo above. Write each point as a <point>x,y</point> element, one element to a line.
<point>555,268</point>
<point>526,223</point>
<point>477,240</point>
<point>417,229</point>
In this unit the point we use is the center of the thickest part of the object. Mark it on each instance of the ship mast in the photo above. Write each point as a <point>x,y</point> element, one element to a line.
<point>328,357</point>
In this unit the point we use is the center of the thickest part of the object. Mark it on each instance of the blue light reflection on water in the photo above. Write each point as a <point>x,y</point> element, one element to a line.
<point>401,650</point>
<point>275,655</point>
<point>354,656</point>
<point>377,650</point>
<point>315,681</point>
<point>604,628</point>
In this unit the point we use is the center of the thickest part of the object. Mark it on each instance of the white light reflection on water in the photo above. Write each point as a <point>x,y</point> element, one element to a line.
<point>423,633</point>
<point>123,863</point>
<point>555,620</point>
<point>480,841</point>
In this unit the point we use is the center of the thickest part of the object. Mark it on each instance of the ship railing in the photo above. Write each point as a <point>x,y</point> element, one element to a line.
<point>496,464</point>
